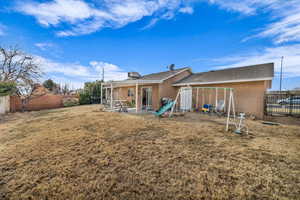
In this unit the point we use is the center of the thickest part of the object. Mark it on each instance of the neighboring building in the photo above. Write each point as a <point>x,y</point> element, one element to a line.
<point>249,83</point>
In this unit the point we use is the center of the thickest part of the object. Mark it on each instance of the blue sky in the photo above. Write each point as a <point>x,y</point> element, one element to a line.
<point>74,39</point>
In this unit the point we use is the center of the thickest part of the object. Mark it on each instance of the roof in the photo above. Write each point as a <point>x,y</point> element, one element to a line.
<point>238,74</point>
<point>153,78</point>
<point>163,75</point>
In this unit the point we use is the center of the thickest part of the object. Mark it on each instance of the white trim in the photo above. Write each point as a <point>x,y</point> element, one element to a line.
<point>138,81</point>
<point>218,82</point>
<point>132,82</point>
<point>150,87</point>
<point>136,97</point>
<point>176,74</point>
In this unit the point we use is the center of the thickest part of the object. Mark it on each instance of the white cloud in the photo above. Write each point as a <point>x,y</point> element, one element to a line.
<point>111,71</point>
<point>44,45</point>
<point>84,18</point>
<point>78,17</point>
<point>76,74</point>
<point>285,16</point>
<point>188,10</point>
<point>150,24</point>
<point>291,62</point>
<point>285,30</point>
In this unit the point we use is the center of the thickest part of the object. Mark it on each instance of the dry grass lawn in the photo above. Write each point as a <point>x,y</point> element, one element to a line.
<point>82,153</point>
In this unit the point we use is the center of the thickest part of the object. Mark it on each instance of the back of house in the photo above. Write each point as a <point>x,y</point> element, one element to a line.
<point>146,92</point>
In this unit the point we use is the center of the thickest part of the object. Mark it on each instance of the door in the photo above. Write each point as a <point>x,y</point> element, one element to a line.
<point>146,98</point>
<point>186,99</point>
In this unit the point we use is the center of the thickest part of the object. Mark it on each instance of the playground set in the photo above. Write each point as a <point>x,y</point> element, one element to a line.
<point>208,100</point>
<point>215,101</point>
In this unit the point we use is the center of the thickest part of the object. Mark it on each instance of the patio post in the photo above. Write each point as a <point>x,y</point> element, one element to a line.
<point>101,96</point>
<point>136,97</point>
<point>111,95</point>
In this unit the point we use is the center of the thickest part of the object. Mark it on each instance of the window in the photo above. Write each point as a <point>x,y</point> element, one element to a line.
<point>130,92</point>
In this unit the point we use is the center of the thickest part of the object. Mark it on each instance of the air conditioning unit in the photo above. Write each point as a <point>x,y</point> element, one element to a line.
<point>134,75</point>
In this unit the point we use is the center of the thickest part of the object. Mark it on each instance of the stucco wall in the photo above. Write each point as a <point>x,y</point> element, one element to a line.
<point>121,93</point>
<point>167,90</point>
<point>249,96</point>
<point>159,91</point>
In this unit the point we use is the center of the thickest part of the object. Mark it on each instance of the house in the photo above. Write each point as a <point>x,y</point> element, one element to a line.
<point>150,88</point>
<point>249,83</point>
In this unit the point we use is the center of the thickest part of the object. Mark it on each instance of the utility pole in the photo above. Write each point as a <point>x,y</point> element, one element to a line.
<point>102,82</point>
<point>102,74</point>
<point>280,87</point>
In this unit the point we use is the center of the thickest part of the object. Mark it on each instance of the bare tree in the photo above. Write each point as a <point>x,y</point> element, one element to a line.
<point>19,67</point>
<point>65,89</point>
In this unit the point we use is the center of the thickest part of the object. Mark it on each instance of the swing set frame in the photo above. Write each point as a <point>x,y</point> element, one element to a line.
<point>230,103</point>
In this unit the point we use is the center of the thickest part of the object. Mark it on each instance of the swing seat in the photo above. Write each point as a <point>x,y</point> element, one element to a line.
<point>206,108</point>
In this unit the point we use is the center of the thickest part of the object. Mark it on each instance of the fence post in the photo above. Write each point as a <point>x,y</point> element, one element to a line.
<point>265,104</point>
<point>291,104</point>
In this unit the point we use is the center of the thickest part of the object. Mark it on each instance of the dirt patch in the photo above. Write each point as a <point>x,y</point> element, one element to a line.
<point>82,153</point>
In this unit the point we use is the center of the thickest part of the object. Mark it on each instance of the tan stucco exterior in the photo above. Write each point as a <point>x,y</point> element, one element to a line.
<point>166,89</point>
<point>248,96</point>
<point>121,93</point>
<point>159,90</point>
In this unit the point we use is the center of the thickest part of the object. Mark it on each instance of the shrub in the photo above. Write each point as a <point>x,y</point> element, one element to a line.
<point>71,101</point>
<point>7,88</point>
<point>84,98</point>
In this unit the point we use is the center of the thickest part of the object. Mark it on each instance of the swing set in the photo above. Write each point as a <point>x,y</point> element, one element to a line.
<point>217,100</point>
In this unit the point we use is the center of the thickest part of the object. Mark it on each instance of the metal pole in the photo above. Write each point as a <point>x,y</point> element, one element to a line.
<point>216,97</point>
<point>136,97</point>
<point>111,96</point>
<point>280,87</point>
<point>197,103</point>
<point>101,94</point>
<point>102,74</point>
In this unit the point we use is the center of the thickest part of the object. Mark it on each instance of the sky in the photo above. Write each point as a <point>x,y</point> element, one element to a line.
<point>73,40</point>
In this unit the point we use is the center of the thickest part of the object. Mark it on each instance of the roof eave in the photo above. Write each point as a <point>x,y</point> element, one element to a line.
<point>132,82</point>
<point>188,68</point>
<point>220,82</point>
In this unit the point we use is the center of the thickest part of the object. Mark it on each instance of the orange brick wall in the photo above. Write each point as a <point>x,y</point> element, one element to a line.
<point>47,101</point>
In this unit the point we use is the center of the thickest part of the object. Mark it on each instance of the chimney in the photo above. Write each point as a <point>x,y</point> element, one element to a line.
<point>172,67</point>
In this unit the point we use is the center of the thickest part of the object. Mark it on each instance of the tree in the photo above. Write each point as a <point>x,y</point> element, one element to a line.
<point>51,86</point>
<point>7,88</point>
<point>20,68</point>
<point>91,93</point>
<point>65,89</point>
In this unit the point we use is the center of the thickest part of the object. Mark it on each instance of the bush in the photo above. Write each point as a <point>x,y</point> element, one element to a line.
<point>68,102</point>
<point>84,98</point>
<point>7,88</point>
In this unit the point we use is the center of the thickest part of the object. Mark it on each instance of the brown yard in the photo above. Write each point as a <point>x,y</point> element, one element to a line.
<point>82,153</point>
